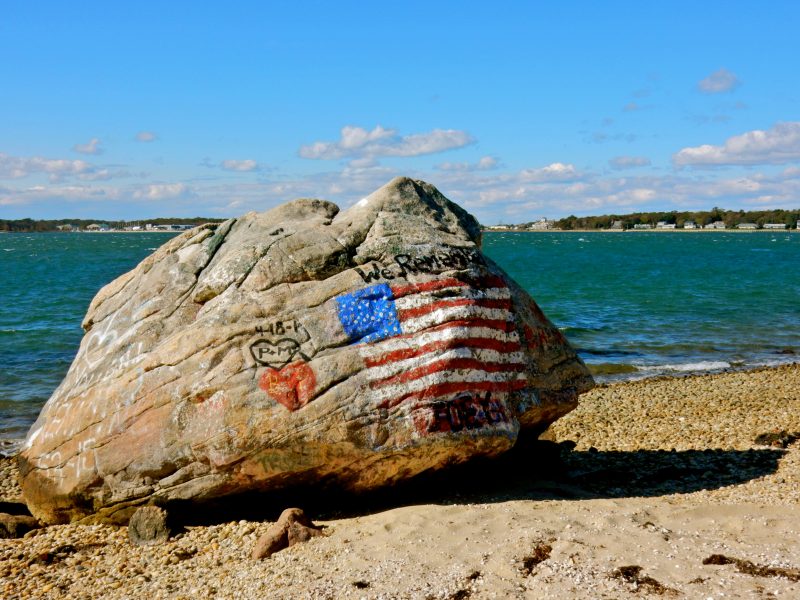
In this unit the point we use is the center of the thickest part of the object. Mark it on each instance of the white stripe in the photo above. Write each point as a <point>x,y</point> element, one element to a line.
<point>453,313</point>
<point>450,333</point>
<point>392,368</point>
<point>448,376</point>
<point>415,300</point>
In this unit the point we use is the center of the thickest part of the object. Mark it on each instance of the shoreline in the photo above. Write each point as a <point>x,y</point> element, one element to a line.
<point>640,231</point>
<point>612,373</point>
<point>508,230</point>
<point>636,488</point>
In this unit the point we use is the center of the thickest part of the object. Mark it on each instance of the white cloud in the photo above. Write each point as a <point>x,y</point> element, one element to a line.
<point>791,172</point>
<point>552,172</point>
<point>55,169</point>
<point>67,193</point>
<point>508,196</point>
<point>357,142</point>
<point>629,162</point>
<point>146,136</point>
<point>486,163</point>
<point>778,145</point>
<point>356,137</point>
<point>98,175</point>
<point>17,167</point>
<point>239,165</point>
<point>363,163</point>
<point>91,147</point>
<point>163,191</point>
<point>718,82</point>
<point>627,197</point>
<point>554,190</point>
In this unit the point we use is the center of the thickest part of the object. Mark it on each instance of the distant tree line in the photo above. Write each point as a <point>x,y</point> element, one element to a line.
<point>731,218</point>
<point>33,225</point>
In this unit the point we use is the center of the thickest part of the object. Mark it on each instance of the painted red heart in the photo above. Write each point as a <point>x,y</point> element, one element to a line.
<point>293,385</point>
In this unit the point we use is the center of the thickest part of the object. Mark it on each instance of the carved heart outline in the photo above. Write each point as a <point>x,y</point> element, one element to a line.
<point>287,345</point>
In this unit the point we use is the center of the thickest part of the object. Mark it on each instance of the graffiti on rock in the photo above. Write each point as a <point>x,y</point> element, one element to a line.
<point>279,343</point>
<point>464,412</point>
<point>292,386</point>
<point>434,339</point>
<point>448,258</point>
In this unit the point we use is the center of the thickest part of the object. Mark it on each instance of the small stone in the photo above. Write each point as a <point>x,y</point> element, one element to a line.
<point>293,515</point>
<point>271,542</point>
<point>298,533</point>
<point>148,526</point>
<point>292,527</point>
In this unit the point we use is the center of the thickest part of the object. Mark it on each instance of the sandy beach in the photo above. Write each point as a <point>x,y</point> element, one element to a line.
<point>652,488</point>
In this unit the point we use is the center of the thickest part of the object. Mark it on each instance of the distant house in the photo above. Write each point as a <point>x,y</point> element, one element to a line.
<point>93,227</point>
<point>747,226</point>
<point>542,223</point>
<point>643,226</point>
<point>665,225</point>
<point>774,225</point>
<point>690,225</point>
<point>66,227</point>
<point>715,225</point>
<point>617,225</point>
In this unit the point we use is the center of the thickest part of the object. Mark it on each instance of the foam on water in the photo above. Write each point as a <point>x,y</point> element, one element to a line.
<point>707,365</point>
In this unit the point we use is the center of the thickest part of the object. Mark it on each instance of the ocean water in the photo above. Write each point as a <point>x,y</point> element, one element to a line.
<point>633,304</point>
<point>644,304</point>
<point>48,280</point>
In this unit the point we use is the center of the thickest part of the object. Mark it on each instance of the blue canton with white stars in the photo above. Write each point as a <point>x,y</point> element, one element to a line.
<point>369,314</point>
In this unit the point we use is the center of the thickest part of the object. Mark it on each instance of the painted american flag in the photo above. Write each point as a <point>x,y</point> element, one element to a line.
<point>435,341</point>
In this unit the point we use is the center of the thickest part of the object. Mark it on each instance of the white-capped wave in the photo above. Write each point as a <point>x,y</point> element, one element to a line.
<point>777,362</point>
<point>10,447</point>
<point>691,367</point>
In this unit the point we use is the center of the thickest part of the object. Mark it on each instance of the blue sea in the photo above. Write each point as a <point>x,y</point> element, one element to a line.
<point>633,304</point>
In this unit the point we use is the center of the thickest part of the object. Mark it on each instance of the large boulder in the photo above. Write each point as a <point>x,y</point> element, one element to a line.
<point>352,349</point>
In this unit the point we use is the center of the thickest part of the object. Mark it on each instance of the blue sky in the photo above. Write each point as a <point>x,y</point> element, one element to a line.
<point>516,110</point>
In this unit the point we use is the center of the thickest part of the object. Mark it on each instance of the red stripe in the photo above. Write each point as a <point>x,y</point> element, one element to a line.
<point>410,313</point>
<point>472,342</point>
<point>448,364</point>
<point>437,284</point>
<point>456,387</point>
<point>489,281</point>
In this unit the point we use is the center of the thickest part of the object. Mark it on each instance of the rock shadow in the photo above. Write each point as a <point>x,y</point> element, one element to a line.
<point>533,470</point>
